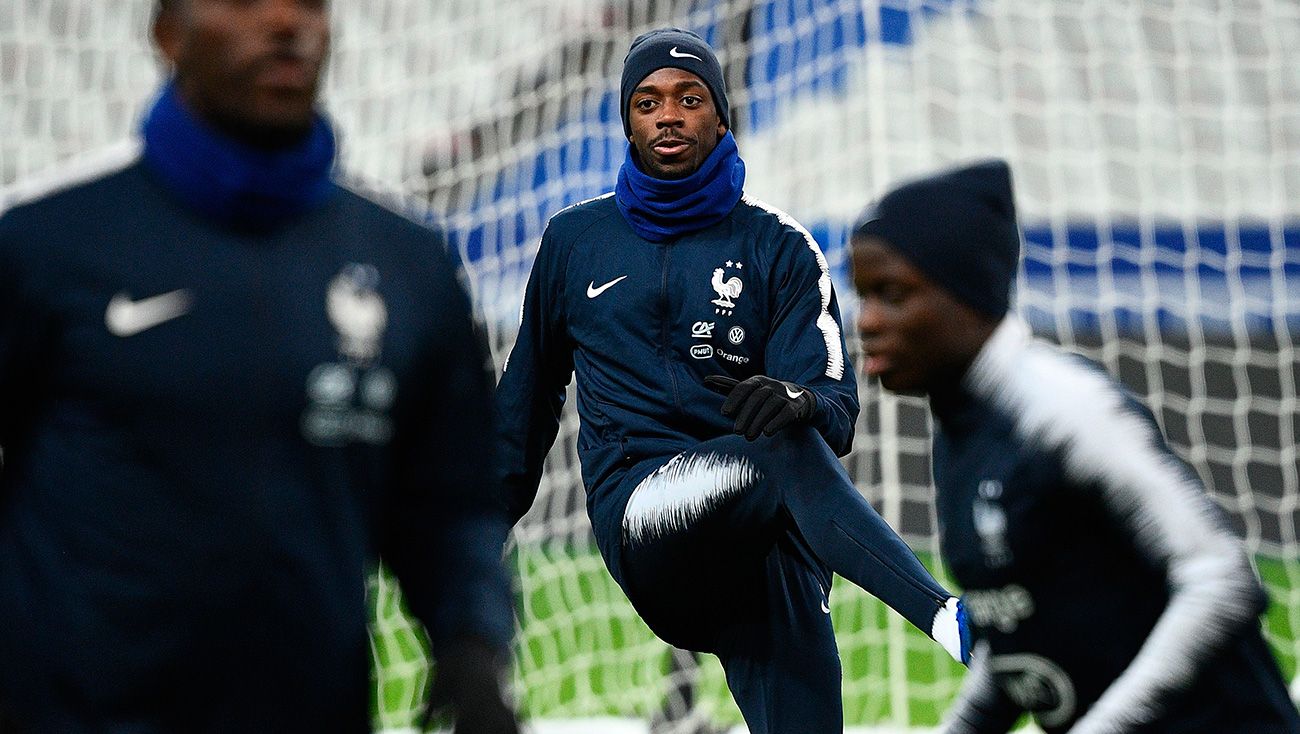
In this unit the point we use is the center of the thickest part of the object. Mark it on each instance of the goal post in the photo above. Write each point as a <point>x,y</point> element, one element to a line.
<point>1156,152</point>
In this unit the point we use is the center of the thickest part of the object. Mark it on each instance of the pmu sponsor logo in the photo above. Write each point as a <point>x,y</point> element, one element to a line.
<point>702,351</point>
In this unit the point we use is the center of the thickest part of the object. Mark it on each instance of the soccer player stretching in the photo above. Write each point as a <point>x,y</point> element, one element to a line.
<point>226,384</point>
<point>673,286</point>
<point>1104,590</point>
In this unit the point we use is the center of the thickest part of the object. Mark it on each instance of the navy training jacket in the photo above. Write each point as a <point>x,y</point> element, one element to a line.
<point>208,435</point>
<point>641,324</point>
<point>1104,589</point>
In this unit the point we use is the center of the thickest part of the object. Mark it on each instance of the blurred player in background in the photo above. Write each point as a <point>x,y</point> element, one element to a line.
<point>1105,592</point>
<point>722,520</point>
<point>226,385</point>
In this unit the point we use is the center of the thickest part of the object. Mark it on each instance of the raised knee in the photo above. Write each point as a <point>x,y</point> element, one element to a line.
<point>687,488</point>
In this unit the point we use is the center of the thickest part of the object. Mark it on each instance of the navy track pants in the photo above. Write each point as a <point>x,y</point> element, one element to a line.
<point>729,548</point>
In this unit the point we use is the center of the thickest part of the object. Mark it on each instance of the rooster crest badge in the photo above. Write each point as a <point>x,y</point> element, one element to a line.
<point>728,289</point>
<point>357,312</point>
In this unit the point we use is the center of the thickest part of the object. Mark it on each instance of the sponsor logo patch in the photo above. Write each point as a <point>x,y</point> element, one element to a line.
<point>702,351</point>
<point>702,330</point>
<point>1003,608</point>
<point>348,401</point>
<point>736,358</point>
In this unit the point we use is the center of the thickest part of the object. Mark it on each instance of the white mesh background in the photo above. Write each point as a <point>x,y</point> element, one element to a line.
<point>1156,147</point>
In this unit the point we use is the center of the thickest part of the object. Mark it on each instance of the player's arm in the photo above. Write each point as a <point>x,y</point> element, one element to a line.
<point>10,338</point>
<point>24,337</point>
<point>1214,593</point>
<point>983,707</point>
<point>442,530</point>
<point>531,392</point>
<point>808,378</point>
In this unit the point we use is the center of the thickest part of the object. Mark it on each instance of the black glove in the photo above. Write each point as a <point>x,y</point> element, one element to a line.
<point>468,677</point>
<point>761,404</point>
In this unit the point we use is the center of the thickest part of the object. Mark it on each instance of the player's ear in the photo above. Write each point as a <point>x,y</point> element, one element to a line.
<point>167,31</point>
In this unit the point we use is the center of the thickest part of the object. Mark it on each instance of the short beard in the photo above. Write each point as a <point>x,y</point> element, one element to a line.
<point>655,172</point>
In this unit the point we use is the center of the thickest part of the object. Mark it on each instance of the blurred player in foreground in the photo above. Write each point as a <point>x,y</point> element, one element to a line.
<point>226,385</point>
<point>1105,592</point>
<point>722,519</point>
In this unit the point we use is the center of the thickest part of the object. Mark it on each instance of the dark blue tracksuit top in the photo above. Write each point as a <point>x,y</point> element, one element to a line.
<point>208,436</point>
<point>1105,592</point>
<point>642,324</point>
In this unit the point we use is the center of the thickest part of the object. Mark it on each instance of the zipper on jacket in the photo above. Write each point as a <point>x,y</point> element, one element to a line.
<point>665,339</point>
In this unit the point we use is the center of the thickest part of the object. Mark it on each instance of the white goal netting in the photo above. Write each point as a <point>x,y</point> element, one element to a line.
<point>1156,147</point>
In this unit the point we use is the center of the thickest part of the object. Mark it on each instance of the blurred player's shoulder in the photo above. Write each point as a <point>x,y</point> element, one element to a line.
<point>1056,396</point>
<point>391,222</point>
<point>394,213</point>
<point>62,213</point>
<point>69,184</point>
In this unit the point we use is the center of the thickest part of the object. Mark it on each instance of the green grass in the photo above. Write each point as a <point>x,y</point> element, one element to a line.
<point>582,650</point>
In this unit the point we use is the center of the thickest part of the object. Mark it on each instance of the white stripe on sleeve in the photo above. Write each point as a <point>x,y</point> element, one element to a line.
<point>826,323</point>
<point>1060,404</point>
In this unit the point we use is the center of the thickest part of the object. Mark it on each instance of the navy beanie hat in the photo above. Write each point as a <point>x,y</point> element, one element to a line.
<point>676,48</point>
<point>959,228</point>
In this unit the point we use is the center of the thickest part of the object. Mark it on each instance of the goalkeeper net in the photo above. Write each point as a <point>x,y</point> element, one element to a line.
<point>1156,147</point>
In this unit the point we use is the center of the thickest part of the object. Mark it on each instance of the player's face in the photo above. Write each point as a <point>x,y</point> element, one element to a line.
<point>674,122</point>
<point>250,67</point>
<point>915,335</point>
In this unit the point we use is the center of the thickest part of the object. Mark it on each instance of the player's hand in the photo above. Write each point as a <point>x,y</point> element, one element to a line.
<point>468,678</point>
<point>761,404</point>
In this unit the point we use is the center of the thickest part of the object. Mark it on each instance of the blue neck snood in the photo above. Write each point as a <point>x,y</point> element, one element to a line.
<point>660,210</point>
<point>230,181</point>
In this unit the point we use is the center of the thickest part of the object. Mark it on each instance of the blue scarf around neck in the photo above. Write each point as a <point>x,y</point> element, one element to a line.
<point>229,180</point>
<point>660,209</point>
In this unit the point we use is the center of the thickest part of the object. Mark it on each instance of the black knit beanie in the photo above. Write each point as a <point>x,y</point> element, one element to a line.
<point>676,48</point>
<point>959,228</point>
